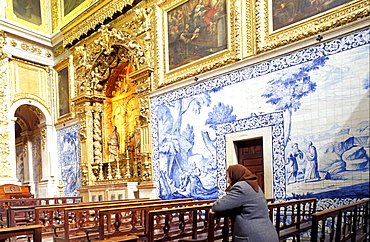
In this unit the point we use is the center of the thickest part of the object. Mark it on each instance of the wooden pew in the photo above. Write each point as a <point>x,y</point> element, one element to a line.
<point>345,223</point>
<point>291,218</point>
<point>5,204</point>
<point>50,216</point>
<point>135,220</point>
<point>40,201</point>
<point>178,223</point>
<point>34,230</point>
<point>79,219</point>
<point>219,227</point>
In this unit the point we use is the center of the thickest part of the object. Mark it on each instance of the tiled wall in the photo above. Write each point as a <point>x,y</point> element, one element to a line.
<point>69,157</point>
<point>315,100</point>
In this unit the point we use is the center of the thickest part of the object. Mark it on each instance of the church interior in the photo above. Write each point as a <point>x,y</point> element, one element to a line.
<point>128,99</point>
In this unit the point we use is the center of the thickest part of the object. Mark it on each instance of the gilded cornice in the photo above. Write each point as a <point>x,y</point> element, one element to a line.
<point>141,74</point>
<point>340,16</point>
<point>82,24</point>
<point>142,79</point>
<point>88,98</point>
<point>30,48</point>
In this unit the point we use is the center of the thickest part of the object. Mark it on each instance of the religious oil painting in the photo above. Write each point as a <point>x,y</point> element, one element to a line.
<point>70,5</point>
<point>196,29</point>
<point>28,10</point>
<point>286,12</point>
<point>63,92</point>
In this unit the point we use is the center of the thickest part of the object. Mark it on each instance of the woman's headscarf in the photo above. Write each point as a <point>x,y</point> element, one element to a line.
<point>241,173</point>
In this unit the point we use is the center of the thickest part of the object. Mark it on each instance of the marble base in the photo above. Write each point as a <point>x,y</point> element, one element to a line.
<point>106,192</point>
<point>146,190</point>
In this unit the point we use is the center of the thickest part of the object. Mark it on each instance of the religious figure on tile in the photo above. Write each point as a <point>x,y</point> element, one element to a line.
<point>292,168</point>
<point>311,172</point>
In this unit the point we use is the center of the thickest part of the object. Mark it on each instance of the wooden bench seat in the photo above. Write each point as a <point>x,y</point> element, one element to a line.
<point>33,230</point>
<point>5,204</point>
<point>126,238</point>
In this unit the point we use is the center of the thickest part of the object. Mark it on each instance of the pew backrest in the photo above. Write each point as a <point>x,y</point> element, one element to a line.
<point>177,223</point>
<point>291,218</point>
<point>82,218</point>
<point>49,216</point>
<point>344,223</point>
<point>130,220</point>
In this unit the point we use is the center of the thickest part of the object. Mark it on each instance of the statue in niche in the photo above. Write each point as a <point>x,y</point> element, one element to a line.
<point>133,141</point>
<point>113,145</point>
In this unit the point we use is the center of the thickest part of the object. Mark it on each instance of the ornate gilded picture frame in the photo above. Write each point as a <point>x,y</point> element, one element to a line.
<point>70,5</point>
<point>62,89</point>
<point>197,36</point>
<point>63,92</point>
<point>283,22</point>
<point>31,13</point>
<point>69,9</point>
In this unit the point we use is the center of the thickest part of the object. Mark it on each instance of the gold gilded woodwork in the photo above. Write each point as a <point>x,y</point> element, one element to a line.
<point>55,9</point>
<point>44,25</point>
<point>93,16</point>
<point>268,40</point>
<point>13,43</point>
<point>59,50</point>
<point>31,48</point>
<point>2,43</point>
<point>248,33</point>
<point>107,97</point>
<point>94,63</point>
<point>29,80</point>
<point>4,124</point>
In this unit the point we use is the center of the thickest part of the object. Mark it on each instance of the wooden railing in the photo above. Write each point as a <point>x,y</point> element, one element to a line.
<point>345,223</point>
<point>291,218</point>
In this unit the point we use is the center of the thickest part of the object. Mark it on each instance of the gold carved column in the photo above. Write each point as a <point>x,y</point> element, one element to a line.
<point>142,78</point>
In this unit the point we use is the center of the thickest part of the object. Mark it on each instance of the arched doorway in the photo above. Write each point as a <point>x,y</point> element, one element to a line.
<point>33,146</point>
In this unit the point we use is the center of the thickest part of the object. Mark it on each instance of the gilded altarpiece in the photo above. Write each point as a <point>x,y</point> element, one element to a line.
<point>111,74</point>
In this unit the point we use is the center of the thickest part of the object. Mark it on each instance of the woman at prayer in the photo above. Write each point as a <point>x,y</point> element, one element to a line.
<point>247,206</point>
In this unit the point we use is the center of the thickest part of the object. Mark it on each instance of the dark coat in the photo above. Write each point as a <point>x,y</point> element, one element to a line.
<point>249,214</point>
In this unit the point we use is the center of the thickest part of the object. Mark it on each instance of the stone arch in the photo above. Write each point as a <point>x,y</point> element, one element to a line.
<point>31,145</point>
